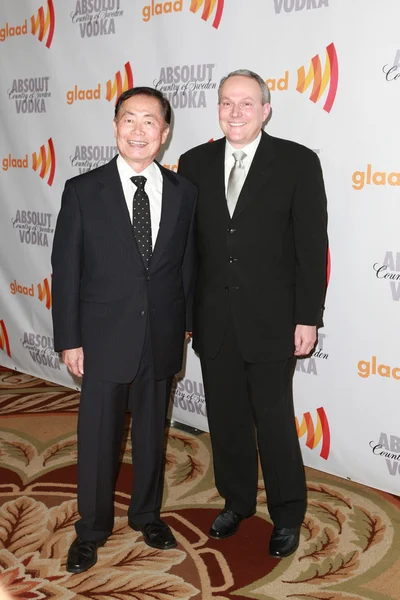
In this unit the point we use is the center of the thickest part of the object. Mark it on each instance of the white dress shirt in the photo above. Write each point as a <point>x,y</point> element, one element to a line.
<point>153,188</point>
<point>250,151</point>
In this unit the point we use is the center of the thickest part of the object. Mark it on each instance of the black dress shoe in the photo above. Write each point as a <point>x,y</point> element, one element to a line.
<point>156,534</point>
<point>82,555</point>
<point>284,541</point>
<point>227,523</point>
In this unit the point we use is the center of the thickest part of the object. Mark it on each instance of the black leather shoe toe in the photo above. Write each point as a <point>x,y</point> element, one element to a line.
<point>82,555</point>
<point>227,523</point>
<point>284,541</point>
<point>156,534</point>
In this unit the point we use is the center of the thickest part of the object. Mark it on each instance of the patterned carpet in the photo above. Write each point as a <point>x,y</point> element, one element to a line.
<point>350,544</point>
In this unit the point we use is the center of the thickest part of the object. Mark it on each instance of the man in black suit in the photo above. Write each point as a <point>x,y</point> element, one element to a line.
<point>123,268</point>
<point>262,242</point>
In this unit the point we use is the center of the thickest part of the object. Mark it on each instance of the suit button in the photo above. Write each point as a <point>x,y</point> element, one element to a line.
<point>230,231</point>
<point>148,278</point>
<point>142,313</point>
<point>227,289</point>
<point>232,259</point>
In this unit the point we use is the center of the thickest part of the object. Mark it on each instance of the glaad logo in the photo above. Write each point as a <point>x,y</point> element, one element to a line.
<point>41,349</point>
<point>160,8</point>
<point>368,177</point>
<point>208,9</point>
<point>321,80</point>
<point>45,160</point>
<point>43,291</point>
<point>30,95</point>
<point>96,17</point>
<point>315,434</point>
<point>4,341</point>
<point>315,76</point>
<point>296,5</point>
<point>389,270</point>
<point>189,396</point>
<point>33,227</point>
<point>113,88</point>
<point>87,158</point>
<point>185,86</point>
<point>392,72</point>
<point>163,8</point>
<point>309,365</point>
<point>42,25</point>
<point>388,447</point>
<point>367,368</point>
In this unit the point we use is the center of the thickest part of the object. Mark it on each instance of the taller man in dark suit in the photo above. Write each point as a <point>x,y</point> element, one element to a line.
<point>262,242</point>
<point>123,266</point>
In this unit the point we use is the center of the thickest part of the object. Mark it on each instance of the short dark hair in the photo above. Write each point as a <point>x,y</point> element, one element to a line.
<point>146,91</point>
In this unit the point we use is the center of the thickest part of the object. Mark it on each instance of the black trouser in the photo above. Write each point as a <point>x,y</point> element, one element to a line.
<point>101,421</point>
<point>250,405</point>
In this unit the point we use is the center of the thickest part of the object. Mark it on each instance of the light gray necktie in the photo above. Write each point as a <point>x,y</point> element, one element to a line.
<point>236,180</point>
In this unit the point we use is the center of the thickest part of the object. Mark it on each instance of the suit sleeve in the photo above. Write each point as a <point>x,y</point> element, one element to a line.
<point>66,261</point>
<point>189,268</point>
<point>183,167</point>
<point>309,215</point>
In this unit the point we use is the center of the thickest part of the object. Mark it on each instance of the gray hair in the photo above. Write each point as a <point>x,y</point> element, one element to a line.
<point>265,94</point>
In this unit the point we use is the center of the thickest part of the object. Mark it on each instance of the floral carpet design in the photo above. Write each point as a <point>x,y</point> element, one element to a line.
<point>350,541</point>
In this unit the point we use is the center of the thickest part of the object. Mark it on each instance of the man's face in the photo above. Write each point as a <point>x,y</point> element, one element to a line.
<point>140,131</point>
<point>241,111</point>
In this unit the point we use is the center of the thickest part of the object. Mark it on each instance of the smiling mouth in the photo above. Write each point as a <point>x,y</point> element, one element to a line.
<point>137,144</point>
<point>236,124</point>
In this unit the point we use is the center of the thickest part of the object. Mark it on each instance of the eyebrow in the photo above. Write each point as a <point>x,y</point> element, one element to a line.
<point>241,100</point>
<point>128,112</point>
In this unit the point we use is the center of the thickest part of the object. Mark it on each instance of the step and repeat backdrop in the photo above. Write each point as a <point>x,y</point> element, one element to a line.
<point>333,68</point>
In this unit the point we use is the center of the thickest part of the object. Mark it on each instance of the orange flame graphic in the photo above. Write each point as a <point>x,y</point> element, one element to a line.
<point>43,25</point>
<point>4,341</point>
<point>116,88</point>
<point>315,434</point>
<point>209,6</point>
<point>44,293</point>
<point>320,80</point>
<point>46,161</point>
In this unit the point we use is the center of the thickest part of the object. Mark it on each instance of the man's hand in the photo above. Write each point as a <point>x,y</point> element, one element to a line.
<point>188,335</point>
<point>305,337</point>
<point>74,360</point>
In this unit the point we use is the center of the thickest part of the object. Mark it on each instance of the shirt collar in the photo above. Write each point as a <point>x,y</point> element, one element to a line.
<point>250,149</point>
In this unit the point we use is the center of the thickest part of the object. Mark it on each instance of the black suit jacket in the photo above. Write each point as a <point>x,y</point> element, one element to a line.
<point>267,265</point>
<point>102,294</point>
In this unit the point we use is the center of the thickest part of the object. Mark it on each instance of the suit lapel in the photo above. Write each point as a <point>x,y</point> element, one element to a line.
<point>216,178</point>
<point>112,196</point>
<point>259,172</point>
<point>171,203</point>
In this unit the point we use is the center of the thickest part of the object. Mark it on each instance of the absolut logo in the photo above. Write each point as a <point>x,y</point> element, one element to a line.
<point>86,158</point>
<point>30,95</point>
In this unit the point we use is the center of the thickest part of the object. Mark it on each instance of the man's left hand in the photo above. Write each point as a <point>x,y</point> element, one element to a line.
<point>305,337</point>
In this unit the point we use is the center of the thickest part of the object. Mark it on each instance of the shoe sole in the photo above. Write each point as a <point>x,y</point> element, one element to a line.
<point>169,547</point>
<point>222,537</point>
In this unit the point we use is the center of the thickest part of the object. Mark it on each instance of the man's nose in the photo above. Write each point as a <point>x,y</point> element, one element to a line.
<point>235,110</point>
<point>137,128</point>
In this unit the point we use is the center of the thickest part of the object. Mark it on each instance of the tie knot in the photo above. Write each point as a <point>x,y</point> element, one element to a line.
<point>139,181</point>
<point>239,155</point>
